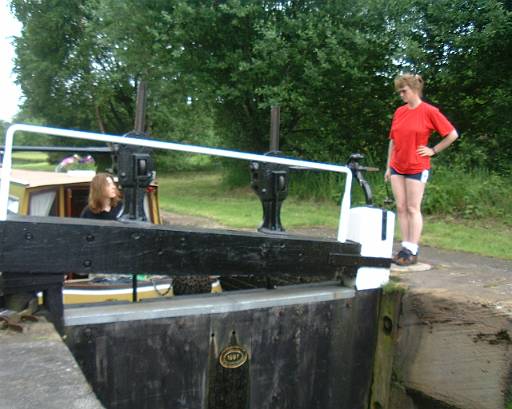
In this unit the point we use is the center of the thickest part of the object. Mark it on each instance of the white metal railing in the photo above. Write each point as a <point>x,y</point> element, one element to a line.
<point>9,137</point>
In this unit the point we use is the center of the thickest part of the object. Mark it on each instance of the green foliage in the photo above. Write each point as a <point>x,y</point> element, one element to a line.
<point>485,237</point>
<point>235,173</point>
<point>178,162</point>
<point>28,138</point>
<point>52,65</point>
<point>451,192</point>
<point>214,69</point>
<point>307,184</point>
<point>3,128</point>
<point>392,287</point>
<point>310,58</point>
<point>205,194</point>
<point>466,194</point>
<point>464,50</point>
<point>79,65</point>
<point>31,161</point>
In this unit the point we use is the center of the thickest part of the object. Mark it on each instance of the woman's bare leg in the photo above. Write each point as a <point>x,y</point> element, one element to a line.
<point>414,190</point>
<point>398,186</point>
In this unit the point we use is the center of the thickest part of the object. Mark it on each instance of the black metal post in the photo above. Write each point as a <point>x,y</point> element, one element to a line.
<point>135,165</point>
<point>275,115</point>
<point>140,108</point>
<point>270,181</point>
<point>357,172</point>
<point>134,288</point>
<point>140,163</point>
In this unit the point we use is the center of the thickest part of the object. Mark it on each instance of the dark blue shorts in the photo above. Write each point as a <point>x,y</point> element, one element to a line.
<point>422,176</point>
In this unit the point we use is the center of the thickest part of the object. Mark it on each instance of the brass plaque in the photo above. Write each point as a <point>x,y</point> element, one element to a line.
<point>233,357</point>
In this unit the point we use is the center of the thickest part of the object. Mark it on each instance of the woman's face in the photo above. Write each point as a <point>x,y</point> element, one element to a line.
<point>407,94</point>
<point>110,188</point>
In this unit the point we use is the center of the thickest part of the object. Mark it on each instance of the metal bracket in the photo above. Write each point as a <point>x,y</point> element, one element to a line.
<point>13,320</point>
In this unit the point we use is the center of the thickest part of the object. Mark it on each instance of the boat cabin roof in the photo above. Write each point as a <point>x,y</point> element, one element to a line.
<point>34,178</point>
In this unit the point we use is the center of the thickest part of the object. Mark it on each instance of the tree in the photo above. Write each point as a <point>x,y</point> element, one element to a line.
<point>80,64</point>
<point>464,50</point>
<point>324,64</point>
<point>214,69</point>
<point>49,59</point>
<point>3,128</point>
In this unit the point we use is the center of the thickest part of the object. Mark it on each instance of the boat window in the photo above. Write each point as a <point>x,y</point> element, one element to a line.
<point>43,203</point>
<point>17,190</point>
<point>151,205</point>
<point>147,210</point>
<point>13,205</point>
<point>76,200</point>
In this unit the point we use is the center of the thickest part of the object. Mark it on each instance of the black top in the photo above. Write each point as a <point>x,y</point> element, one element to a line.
<point>113,214</point>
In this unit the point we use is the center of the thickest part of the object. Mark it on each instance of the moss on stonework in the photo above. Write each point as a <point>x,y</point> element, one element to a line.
<point>393,287</point>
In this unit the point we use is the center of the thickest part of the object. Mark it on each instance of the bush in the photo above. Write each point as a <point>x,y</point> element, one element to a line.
<point>467,194</point>
<point>451,191</point>
<point>310,184</point>
<point>178,161</point>
<point>235,173</point>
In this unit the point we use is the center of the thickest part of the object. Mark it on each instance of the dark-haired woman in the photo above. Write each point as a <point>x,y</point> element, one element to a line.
<point>104,199</point>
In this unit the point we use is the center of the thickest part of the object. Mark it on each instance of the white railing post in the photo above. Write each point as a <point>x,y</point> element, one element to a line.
<point>6,172</point>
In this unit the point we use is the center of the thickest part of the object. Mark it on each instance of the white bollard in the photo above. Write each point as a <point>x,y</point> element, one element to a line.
<point>373,228</point>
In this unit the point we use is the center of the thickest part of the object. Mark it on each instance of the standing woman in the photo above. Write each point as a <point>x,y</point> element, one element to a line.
<point>104,199</point>
<point>408,161</point>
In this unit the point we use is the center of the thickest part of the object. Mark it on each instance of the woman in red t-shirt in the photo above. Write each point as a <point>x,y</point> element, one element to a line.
<point>408,162</point>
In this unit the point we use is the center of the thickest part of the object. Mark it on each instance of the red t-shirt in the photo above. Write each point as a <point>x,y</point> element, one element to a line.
<point>411,128</point>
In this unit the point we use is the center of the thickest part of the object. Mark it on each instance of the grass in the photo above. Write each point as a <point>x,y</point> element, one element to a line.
<point>35,166</point>
<point>31,161</point>
<point>33,157</point>
<point>203,194</point>
<point>485,237</point>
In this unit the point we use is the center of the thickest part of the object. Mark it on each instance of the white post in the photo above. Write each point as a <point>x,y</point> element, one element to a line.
<point>6,172</point>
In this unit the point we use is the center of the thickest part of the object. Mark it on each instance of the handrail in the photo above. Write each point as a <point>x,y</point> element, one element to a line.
<point>9,137</point>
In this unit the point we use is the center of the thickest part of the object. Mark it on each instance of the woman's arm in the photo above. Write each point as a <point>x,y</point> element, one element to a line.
<point>387,174</point>
<point>441,146</point>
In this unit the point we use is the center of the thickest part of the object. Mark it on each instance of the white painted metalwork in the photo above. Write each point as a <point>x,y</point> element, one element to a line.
<point>9,137</point>
<point>204,304</point>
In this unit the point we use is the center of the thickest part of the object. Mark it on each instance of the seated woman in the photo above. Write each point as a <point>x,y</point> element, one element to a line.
<point>104,199</point>
<point>104,203</point>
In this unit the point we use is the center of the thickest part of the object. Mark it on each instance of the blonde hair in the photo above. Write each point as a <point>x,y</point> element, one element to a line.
<point>413,81</point>
<point>97,192</point>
